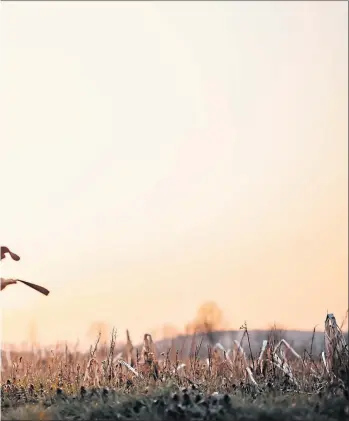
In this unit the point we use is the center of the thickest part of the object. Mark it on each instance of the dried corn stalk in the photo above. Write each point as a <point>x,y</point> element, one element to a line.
<point>125,364</point>
<point>261,355</point>
<point>336,350</point>
<point>150,364</point>
<point>148,351</point>
<point>242,353</point>
<point>217,361</point>
<point>92,372</point>
<point>128,351</point>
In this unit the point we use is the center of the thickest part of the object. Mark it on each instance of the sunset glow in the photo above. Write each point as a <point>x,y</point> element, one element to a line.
<point>158,155</point>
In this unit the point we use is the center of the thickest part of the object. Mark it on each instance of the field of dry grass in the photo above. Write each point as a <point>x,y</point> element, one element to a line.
<point>141,383</point>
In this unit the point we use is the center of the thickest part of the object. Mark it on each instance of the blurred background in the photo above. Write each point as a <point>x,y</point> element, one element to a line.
<point>159,156</point>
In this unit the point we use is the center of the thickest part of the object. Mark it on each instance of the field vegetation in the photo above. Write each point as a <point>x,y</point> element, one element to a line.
<point>142,383</point>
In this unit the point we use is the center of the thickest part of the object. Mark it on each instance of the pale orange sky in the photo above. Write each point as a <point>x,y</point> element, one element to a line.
<point>159,155</point>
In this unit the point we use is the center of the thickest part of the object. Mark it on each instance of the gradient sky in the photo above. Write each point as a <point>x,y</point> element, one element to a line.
<point>157,155</point>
